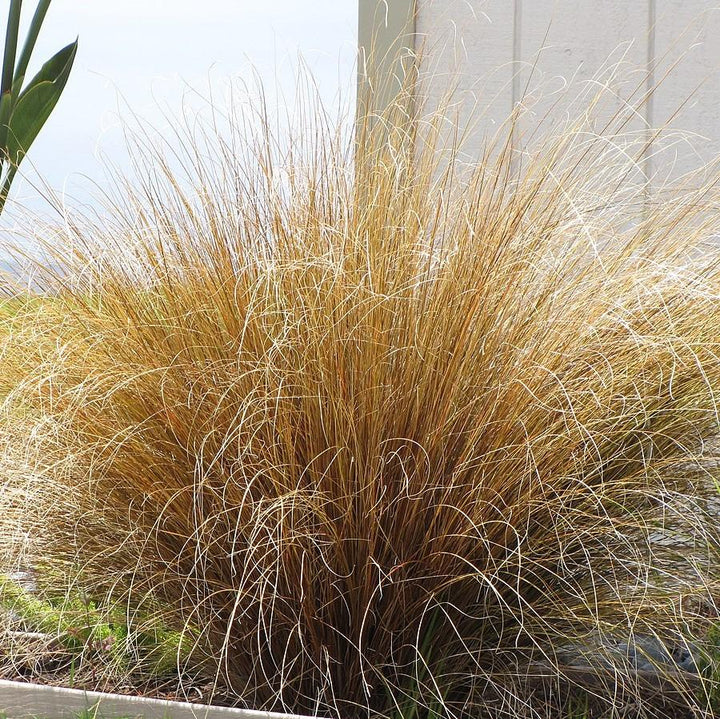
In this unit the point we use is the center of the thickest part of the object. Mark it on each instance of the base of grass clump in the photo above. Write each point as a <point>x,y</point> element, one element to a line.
<point>388,435</point>
<point>72,641</point>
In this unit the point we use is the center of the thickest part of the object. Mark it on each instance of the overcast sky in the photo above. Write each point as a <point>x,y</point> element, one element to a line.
<point>147,53</point>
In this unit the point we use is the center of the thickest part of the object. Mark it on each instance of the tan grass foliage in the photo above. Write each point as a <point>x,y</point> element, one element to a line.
<point>385,431</point>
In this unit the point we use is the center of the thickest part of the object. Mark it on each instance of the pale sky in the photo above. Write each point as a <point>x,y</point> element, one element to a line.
<point>145,53</point>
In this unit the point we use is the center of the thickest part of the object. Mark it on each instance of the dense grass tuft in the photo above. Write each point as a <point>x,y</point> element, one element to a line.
<point>384,433</point>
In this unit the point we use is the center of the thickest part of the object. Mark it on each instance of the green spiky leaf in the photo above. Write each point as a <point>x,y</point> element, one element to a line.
<point>37,101</point>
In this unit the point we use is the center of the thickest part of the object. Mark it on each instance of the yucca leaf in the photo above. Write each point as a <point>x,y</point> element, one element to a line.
<point>7,102</point>
<point>33,32</point>
<point>37,101</point>
<point>24,112</point>
<point>5,110</point>
<point>11,41</point>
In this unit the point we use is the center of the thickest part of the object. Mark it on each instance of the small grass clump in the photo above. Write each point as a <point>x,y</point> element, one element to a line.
<point>388,430</point>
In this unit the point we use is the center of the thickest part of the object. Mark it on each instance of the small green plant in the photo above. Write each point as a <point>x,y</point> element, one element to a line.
<point>92,713</point>
<point>84,627</point>
<point>24,110</point>
<point>418,702</point>
<point>578,707</point>
<point>710,667</point>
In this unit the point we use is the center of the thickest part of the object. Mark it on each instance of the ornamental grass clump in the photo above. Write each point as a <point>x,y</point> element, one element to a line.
<point>387,433</point>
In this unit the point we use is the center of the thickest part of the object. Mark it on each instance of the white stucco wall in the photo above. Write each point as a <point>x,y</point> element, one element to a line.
<point>501,52</point>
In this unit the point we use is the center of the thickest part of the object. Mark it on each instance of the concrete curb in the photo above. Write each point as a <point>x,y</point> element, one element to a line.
<point>19,700</point>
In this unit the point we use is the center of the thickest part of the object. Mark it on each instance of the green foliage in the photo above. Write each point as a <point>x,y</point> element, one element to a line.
<point>24,110</point>
<point>578,707</point>
<point>83,626</point>
<point>418,701</point>
<point>710,667</point>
